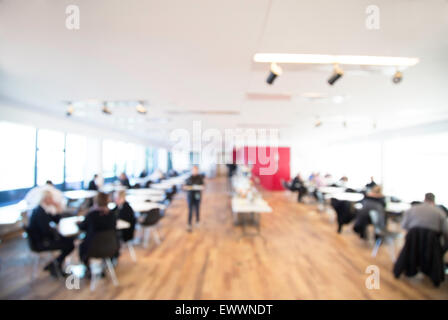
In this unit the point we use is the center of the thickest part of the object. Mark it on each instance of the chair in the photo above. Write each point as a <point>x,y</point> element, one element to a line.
<point>422,252</point>
<point>285,185</point>
<point>104,246</point>
<point>38,255</point>
<point>382,235</point>
<point>149,223</point>
<point>344,212</point>
<point>168,197</point>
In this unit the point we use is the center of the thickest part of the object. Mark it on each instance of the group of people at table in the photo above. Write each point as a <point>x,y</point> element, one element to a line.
<point>372,207</point>
<point>102,214</point>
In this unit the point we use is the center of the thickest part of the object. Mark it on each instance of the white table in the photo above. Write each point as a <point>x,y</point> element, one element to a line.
<point>13,213</point>
<point>68,227</point>
<point>245,206</point>
<point>242,205</point>
<point>108,188</point>
<point>145,191</point>
<point>161,186</point>
<point>141,206</point>
<point>397,207</point>
<point>331,190</point>
<point>80,194</point>
<point>347,196</point>
<point>145,198</point>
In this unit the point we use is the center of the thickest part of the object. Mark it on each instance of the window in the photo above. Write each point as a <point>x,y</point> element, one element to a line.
<point>18,143</point>
<point>181,160</point>
<point>109,159</point>
<point>76,158</point>
<point>151,159</point>
<point>121,156</point>
<point>162,161</point>
<point>136,157</point>
<point>50,156</point>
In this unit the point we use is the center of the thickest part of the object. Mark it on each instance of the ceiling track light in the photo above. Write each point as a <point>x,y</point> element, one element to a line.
<point>398,76</point>
<point>337,73</point>
<point>339,59</point>
<point>70,109</point>
<point>106,109</point>
<point>141,108</point>
<point>274,72</point>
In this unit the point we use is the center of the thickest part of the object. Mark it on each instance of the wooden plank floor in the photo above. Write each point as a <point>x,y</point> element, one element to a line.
<point>300,256</point>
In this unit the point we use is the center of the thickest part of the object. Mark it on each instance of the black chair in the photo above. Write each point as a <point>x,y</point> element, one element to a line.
<point>285,185</point>
<point>344,212</point>
<point>422,252</point>
<point>104,245</point>
<point>382,234</point>
<point>168,197</point>
<point>38,254</point>
<point>149,221</point>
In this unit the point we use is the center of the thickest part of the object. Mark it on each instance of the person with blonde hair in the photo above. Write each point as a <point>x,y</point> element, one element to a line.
<point>373,201</point>
<point>47,238</point>
<point>125,212</point>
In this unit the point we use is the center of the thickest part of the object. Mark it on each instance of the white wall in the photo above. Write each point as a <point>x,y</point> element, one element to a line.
<point>408,162</point>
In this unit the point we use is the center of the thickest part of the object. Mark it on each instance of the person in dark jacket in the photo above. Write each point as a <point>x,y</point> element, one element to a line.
<point>371,184</point>
<point>427,215</point>
<point>374,200</point>
<point>297,184</point>
<point>143,174</point>
<point>98,219</point>
<point>45,238</point>
<point>125,212</point>
<point>92,184</point>
<point>194,196</point>
<point>124,180</point>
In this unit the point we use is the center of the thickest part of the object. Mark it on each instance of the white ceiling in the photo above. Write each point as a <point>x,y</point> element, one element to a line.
<point>182,55</point>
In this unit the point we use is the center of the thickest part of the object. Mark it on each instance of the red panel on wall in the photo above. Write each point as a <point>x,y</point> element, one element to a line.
<point>271,169</point>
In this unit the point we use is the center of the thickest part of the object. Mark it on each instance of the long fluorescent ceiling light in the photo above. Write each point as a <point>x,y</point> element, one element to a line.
<point>332,59</point>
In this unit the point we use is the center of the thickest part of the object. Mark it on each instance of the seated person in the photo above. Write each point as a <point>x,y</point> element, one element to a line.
<point>342,182</point>
<point>143,174</point>
<point>172,173</point>
<point>93,184</point>
<point>371,184</point>
<point>374,200</point>
<point>125,212</point>
<point>44,237</point>
<point>427,215</point>
<point>98,219</point>
<point>124,181</point>
<point>298,185</point>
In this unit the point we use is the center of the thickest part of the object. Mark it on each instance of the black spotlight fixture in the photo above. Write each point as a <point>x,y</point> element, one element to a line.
<point>70,109</point>
<point>141,108</point>
<point>398,76</point>
<point>274,72</point>
<point>337,73</point>
<point>106,109</point>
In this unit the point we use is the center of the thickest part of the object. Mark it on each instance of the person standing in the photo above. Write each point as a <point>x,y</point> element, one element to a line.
<point>192,185</point>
